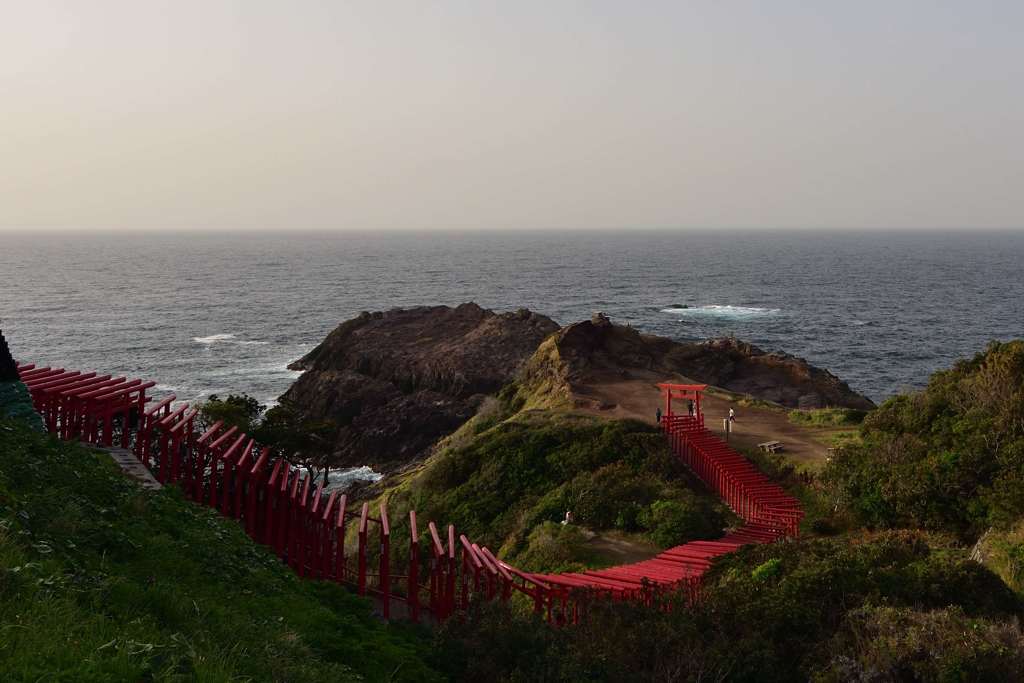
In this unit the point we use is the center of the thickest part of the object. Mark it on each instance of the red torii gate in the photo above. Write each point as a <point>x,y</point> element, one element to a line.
<point>691,392</point>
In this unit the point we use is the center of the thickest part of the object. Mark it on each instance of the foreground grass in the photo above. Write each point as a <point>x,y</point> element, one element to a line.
<point>101,581</point>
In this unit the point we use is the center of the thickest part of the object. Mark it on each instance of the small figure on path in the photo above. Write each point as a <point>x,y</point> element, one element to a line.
<point>732,415</point>
<point>690,408</point>
<point>657,415</point>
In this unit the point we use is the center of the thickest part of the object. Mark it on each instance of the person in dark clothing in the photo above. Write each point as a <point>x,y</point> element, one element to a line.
<point>657,415</point>
<point>690,407</point>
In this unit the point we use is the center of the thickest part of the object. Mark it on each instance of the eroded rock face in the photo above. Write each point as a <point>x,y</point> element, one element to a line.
<point>396,382</point>
<point>594,352</point>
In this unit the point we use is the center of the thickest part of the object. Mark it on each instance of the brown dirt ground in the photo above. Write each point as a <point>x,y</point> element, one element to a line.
<point>638,397</point>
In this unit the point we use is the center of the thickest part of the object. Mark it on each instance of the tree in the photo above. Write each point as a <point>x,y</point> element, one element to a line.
<point>237,410</point>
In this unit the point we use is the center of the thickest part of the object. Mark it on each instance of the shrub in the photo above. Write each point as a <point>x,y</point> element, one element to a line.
<point>828,417</point>
<point>948,458</point>
<point>673,522</point>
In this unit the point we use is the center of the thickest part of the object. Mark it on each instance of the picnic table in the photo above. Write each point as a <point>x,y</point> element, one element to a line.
<point>771,446</point>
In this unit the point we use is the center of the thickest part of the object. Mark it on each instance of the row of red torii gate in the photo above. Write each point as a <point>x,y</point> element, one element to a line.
<point>321,537</point>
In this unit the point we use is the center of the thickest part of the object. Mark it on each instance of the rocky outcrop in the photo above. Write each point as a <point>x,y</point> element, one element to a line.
<point>15,401</point>
<point>8,369</point>
<point>395,382</point>
<point>596,352</point>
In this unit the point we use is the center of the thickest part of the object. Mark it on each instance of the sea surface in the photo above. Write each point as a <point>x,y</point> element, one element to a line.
<point>210,314</point>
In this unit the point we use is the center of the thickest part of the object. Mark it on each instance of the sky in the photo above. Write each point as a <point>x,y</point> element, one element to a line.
<point>309,115</point>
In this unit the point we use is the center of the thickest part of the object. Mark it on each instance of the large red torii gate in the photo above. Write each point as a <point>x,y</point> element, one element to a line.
<point>690,392</point>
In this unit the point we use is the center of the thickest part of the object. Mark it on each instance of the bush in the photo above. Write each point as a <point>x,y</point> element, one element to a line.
<point>779,612</point>
<point>828,417</point>
<point>673,522</point>
<point>948,458</point>
<point>887,643</point>
<point>553,547</point>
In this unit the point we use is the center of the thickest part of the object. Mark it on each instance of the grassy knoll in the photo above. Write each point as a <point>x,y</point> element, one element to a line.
<point>101,581</point>
<point>507,478</point>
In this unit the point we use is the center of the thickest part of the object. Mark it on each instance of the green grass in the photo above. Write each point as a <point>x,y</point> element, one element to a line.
<point>102,581</point>
<point>828,417</point>
<point>504,482</point>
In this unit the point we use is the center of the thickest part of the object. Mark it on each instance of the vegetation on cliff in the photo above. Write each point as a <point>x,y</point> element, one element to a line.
<point>101,581</point>
<point>510,477</point>
<point>950,457</point>
<point>888,606</point>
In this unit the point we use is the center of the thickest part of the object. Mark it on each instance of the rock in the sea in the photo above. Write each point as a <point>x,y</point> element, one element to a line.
<point>396,382</point>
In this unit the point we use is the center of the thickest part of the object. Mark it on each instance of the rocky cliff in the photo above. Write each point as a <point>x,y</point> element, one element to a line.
<point>396,382</point>
<point>597,352</point>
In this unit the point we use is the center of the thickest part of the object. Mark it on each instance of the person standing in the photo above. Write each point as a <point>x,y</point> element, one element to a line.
<point>657,415</point>
<point>732,415</point>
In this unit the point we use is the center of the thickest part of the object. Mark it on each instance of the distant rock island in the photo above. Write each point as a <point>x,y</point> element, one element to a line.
<point>396,382</point>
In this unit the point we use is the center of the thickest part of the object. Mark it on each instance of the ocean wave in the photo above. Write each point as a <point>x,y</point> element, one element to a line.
<point>720,311</point>
<point>338,480</point>
<point>224,338</point>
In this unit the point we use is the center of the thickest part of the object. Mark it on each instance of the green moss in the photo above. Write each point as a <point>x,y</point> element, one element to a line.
<point>102,581</point>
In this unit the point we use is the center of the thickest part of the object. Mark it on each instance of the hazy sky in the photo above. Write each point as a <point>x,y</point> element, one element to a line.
<point>370,115</point>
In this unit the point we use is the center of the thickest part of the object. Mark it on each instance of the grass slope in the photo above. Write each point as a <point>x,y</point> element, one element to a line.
<point>508,476</point>
<point>101,581</point>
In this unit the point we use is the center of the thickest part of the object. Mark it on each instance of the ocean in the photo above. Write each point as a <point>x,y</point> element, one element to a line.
<point>210,314</point>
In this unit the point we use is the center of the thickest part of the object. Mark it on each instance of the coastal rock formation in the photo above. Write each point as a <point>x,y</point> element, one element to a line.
<point>597,352</point>
<point>396,382</point>
<point>8,369</point>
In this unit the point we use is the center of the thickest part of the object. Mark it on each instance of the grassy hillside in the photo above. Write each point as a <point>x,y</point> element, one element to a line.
<point>101,581</point>
<point>508,477</point>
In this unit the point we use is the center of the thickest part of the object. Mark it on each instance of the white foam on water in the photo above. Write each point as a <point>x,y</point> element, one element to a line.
<point>726,311</point>
<point>214,339</point>
<point>225,338</point>
<point>339,480</point>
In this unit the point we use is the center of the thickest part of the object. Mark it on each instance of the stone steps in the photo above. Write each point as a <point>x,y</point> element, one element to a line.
<point>131,466</point>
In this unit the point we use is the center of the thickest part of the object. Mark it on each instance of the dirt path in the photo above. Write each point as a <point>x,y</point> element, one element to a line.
<point>615,548</point>
<point>638,397</point>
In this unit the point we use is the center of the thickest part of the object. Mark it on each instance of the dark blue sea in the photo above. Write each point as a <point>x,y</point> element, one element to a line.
<point>220,313</point>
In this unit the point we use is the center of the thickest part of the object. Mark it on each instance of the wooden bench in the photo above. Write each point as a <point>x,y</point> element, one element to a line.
<point>771,446</point>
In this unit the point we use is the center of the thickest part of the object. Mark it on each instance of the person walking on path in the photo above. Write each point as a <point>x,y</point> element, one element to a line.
<point>690,408</point>
<point>732,415</point>
<point>657,415</point>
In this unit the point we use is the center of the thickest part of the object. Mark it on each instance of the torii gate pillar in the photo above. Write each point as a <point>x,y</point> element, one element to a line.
<point>691,392</point>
